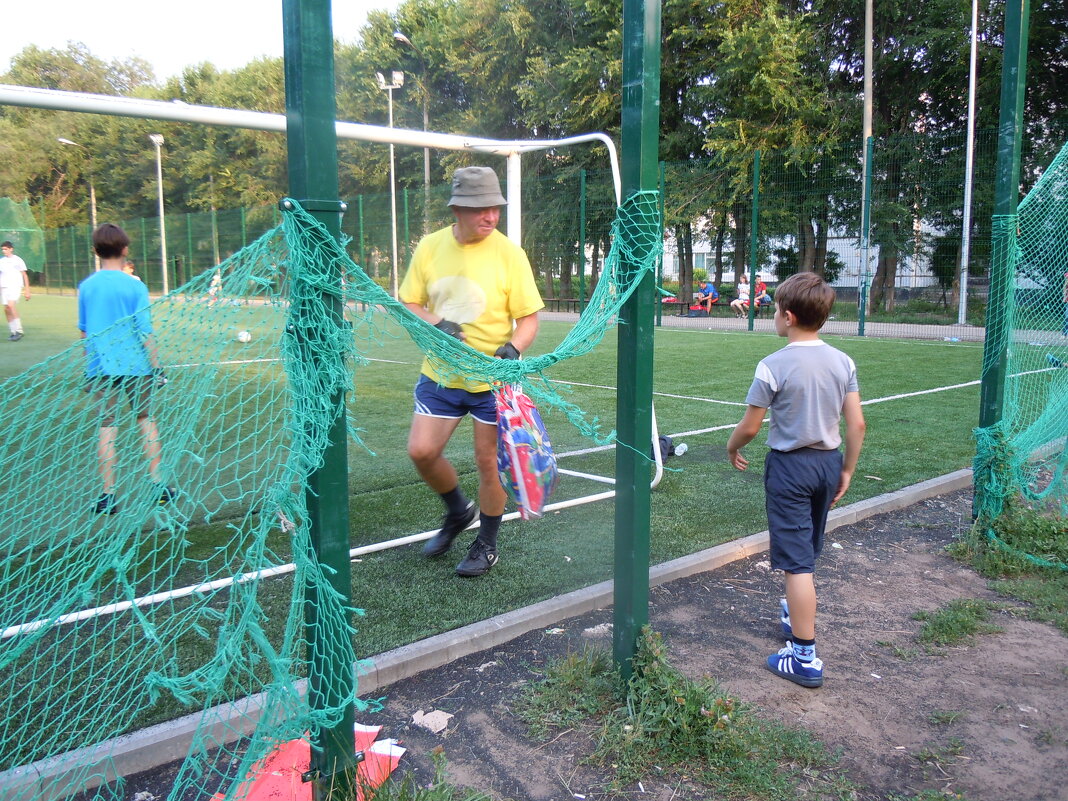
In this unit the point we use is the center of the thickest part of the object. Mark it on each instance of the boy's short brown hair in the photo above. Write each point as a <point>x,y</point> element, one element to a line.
<point>808,296</point>
<point>109,241</point>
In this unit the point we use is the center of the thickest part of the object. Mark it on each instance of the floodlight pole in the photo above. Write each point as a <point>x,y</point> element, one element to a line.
<point>157,140</point>
<point>396,83</point>
<point>312,146</point>
<point>424,86</point>
<point>92,192</point>
<point>634,364</point>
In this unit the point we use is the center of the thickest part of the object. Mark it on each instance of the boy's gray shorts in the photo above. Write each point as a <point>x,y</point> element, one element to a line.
<point>799,486</point>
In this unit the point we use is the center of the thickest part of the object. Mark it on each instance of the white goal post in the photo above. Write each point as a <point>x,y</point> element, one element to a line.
<point>176,111</point>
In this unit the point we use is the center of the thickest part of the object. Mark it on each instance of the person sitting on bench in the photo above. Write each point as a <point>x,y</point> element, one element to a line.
<point>761,296</point>
<point>740,304</point>
<point>706,296</point>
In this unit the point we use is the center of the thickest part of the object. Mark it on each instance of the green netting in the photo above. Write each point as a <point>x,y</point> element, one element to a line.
<point>18,226</point>
<point>112,623</point>
<point>1024,455</point>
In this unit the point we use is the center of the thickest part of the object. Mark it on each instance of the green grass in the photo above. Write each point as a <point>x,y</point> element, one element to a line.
<point>1022,533</point>
<point>664,721</point>
<point>574,548</point>
<point>959,621</point>
<point>407,788</point>
<point>700,379</point>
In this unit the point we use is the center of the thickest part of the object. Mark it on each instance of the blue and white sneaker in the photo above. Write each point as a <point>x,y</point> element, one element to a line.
<point>784,619</point>
<point>785,664</point>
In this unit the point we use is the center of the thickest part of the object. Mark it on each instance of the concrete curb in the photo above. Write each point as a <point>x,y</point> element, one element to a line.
<point>155,746</point>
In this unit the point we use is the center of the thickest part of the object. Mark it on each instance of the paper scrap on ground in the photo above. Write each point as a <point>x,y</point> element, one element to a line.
<point>436,721</point>
<point>600,630</point>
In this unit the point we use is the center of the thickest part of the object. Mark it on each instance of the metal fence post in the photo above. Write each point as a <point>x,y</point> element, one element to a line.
<point>753,218</point>
<point>865,239</point>
<point>660,259</point>
<point>1006,197</point>
<point>634,366</point>
<point>312,158</point>
<point>582,241</point>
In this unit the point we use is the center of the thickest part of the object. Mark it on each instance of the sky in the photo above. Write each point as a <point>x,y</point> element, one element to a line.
<point>228,33</point>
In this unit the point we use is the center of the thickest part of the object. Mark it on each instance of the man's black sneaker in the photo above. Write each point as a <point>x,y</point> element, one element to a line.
<point>451,525</point>
<point>16,336</point>
<point>106,504</point>
<point>166,494</point>
<point>480,558</point>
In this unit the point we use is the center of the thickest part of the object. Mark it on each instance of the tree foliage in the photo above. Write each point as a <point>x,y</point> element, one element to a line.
<point>784,77</point>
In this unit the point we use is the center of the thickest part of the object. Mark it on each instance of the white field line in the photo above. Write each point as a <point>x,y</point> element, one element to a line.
<point>655,394</point>
<point>212,586</point>
<point>268,361</point>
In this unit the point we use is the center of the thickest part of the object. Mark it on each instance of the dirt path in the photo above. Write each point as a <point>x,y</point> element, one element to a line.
<point>988,720</point>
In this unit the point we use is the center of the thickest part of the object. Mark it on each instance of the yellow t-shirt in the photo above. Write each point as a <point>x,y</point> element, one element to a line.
<point>483,287</point>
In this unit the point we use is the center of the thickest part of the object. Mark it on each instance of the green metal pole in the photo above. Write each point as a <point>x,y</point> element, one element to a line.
<point>582,241</point>
<point>144,250</point>
<point>660,259</point>
<point>1003,236</point>
<point>407,229</point>
<point>312,147</point>
<point>634,365</point>
<point>188,247</point>
<point>754,218</point>
<point>865,238</point>
<point>215,237</point>
<point>363,245</point>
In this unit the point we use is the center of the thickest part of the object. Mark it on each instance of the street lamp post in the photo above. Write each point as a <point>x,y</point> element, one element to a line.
<point>92,190</point>
<point>157,140</point>
<point>396,82</point>
<point>400,37</point>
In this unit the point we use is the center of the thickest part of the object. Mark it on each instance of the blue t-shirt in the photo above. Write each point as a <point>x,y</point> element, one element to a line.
<point>706,291</point>
<point>113,314</point>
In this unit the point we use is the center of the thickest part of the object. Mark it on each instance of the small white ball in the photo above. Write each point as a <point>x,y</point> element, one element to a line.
<point>244,336</point>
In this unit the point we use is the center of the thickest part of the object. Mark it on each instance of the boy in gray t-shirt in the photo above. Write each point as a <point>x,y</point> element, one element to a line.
<point>809,387</point>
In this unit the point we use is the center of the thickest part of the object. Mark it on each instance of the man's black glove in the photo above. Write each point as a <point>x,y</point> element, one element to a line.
<point>160,378</point>
<point>507,351</point>
<point>450,328</point>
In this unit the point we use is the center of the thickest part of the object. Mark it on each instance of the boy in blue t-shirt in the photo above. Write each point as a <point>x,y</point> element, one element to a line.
<point>808,386</point>
<point>121,359</point>
<point>706,295</point>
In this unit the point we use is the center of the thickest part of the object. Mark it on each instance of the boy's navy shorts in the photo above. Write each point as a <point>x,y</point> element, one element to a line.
<point>799,487</point>
<point>432,400</point>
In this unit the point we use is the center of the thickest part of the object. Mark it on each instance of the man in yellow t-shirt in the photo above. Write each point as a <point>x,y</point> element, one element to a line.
<point>474,283</point>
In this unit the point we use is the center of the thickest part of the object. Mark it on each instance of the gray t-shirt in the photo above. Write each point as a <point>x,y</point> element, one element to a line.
<point>804,386</point>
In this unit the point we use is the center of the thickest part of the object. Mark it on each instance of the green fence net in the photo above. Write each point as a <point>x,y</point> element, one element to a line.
<point>18,226</point>
<point>1023,456</point>
<point>808,217</point>
<point>194,609</point>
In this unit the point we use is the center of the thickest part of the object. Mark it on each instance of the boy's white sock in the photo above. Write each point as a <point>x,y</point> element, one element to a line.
<point>804,650</point>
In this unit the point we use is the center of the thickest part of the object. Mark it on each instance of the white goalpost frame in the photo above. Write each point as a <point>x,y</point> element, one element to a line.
<point>177,111</point>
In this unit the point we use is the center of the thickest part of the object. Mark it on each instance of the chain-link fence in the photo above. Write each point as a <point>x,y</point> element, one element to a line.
<point>779,212</point>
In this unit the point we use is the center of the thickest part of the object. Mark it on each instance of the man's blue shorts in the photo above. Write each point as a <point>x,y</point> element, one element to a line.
<point>432,400</point>
<point>799,486</point>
